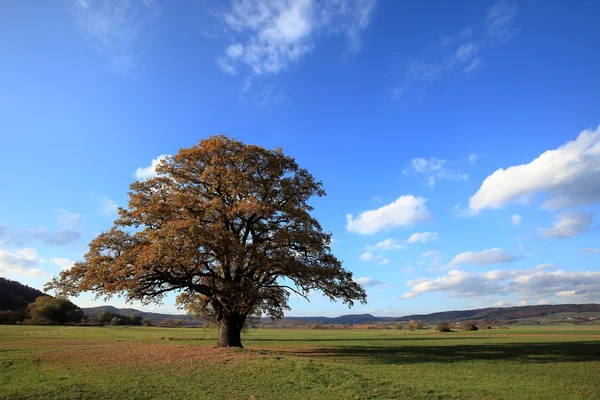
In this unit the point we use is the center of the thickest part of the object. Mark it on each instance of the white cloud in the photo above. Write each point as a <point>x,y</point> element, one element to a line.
<point>544,302</point>
<point>535,283</point>
<point>500,304</point>
<point>405,211</point>
<point>150,171</point>
<point>434,169</point>
<point>22,263</point>
<point>69,231</point>
<point>368,281</point>
<point>522,303</point>
<point>568,224</point>
<point>114,28</point>
<point>422,237</point>
<point>235,50</point>
<point>277,33</point>
<point>589,250</point>
<point>515,220</point>
<point>63,263</point>
<point>485,257</point>
<point>389,244</point>
<point>28,254</point>
<point>383,261</point>
<point>367,256</point>
<point>567,176</point>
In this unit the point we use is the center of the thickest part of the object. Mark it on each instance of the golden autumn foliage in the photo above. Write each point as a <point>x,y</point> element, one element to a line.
<point>228,227</point>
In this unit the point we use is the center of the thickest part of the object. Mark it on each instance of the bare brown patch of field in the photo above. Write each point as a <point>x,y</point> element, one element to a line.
<point>124,354</point>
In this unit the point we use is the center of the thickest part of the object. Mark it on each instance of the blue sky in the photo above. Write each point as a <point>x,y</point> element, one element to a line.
<point>458,142</point>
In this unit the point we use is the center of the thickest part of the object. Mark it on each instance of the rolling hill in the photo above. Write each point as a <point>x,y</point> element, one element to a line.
<point>494,315</point>
<point>16,296</point>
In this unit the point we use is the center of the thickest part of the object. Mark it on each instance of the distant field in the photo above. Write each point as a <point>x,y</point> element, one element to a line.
<point>560,362</point>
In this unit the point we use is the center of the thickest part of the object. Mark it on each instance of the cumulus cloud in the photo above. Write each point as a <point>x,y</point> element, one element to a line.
<point>389,244</point>
<point>485,257</point>
<point>405,211</point>
<point>21,263</point>
<point>434,170</point>
<point>367,281</point>
<point>567,176</point>
<point>568,224</point>
<point>69,231</point>
<point>393,244</point>
<point>533,283</point>
<point>150,170</point>
<point>63,263</point>
<point>422,237</point>
<point>114,28</point>
<point>515,220</point>
<point>500,304</point>
<point>28,254</point>
<point>271,35</point>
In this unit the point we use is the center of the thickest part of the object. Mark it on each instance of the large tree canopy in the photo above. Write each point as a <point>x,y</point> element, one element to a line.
<point>227,225</point>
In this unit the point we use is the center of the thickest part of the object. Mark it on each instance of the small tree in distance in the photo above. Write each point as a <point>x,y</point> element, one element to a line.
<point>469,326</point>
<point>229,227</point>
<point>412,325</point>
<point>442,327</point>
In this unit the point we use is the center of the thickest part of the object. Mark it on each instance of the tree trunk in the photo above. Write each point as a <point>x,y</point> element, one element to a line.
<point>230,330</point>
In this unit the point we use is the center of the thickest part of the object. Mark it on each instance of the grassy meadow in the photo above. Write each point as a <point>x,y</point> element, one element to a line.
<point>559,362</point>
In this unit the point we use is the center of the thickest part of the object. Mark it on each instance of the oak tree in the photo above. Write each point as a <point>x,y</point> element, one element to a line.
<point>226,225</point>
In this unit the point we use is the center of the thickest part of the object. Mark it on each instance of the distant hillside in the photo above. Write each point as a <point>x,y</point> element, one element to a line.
<point>503,313</point>
<point>16,296</point>
<point>156,317</point>
<point>341,320</point>
<point>493,315</point>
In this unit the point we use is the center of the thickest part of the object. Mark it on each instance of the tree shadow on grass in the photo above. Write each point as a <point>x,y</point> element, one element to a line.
<point>369,339</point>
<point>539,352</point>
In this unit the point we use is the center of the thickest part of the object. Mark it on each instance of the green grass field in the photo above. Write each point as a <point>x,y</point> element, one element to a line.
<point>559,362</point>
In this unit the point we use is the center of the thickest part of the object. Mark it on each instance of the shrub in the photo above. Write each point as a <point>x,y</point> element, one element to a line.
<point>53,310</point>
<point>171,322</point>
<point>147,322</point>
<point>398,326</point>
<point>469,326</point>
<point>11,317</point>
<point>442,327</point>
<point>414,325</point>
